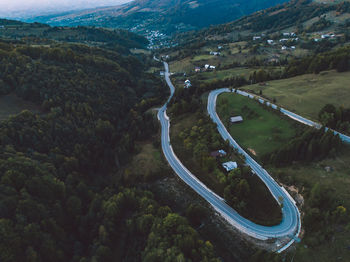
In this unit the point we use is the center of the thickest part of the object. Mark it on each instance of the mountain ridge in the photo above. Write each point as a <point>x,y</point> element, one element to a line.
<point>167,15</point>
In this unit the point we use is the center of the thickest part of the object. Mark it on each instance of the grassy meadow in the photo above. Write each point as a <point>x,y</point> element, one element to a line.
<point>262,130</point>
<point>307,94</point>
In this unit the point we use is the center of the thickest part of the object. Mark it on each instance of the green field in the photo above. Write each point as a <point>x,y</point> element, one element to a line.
<point>202,57</point>
<point>307,94</point>
<point>224,74</point>
<point>262,131</point>
<point>183,65</point>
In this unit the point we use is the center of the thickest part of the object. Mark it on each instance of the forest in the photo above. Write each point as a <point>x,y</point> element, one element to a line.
<point>60,197</point>
<point>336,59</point>
<point>116,39</point>
<point>308,146</point>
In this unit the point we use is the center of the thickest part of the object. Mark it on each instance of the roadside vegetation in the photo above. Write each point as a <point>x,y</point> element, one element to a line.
<point>323,185</point>
<point>194,137</point>
<point>336,118</point>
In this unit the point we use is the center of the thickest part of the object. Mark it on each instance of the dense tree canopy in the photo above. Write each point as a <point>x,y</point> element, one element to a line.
<point>60,199</point>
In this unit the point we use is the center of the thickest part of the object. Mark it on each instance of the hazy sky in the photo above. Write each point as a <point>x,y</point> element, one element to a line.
<point>10,8</point>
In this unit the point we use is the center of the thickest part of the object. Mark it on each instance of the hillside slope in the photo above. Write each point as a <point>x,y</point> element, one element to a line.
<point>62,194</point>
<point>169,15</point>
<point>117,39</point>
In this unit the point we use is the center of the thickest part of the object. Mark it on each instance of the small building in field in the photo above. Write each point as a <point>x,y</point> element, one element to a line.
<point>197,69</point>
<point>270,42</point>
<point>208,67</point>
<point>236,119</point>
<point>256,38</point>
<point>215,53</point>
<point>229,166</point>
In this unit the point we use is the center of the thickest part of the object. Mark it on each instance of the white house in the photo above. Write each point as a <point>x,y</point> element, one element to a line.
<point>288,34</point>
<point>222,152</point>
<point>236,119</point>
<point>187,83</point>
<point>220,47</point>
<point>215,53</point>
<point>325,36</point>
<point>270,42</point>
<point>207,66</point>
<point>230,166</point>
<point>284,47</point>
<point>256,38</point>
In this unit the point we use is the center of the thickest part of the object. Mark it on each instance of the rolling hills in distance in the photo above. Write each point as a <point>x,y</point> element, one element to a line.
<point>164,15</point>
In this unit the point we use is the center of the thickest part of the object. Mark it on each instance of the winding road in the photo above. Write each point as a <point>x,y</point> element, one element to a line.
<point>289,228</point>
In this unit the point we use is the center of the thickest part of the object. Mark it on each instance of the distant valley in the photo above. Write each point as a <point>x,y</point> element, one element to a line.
<point>164,15</point>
